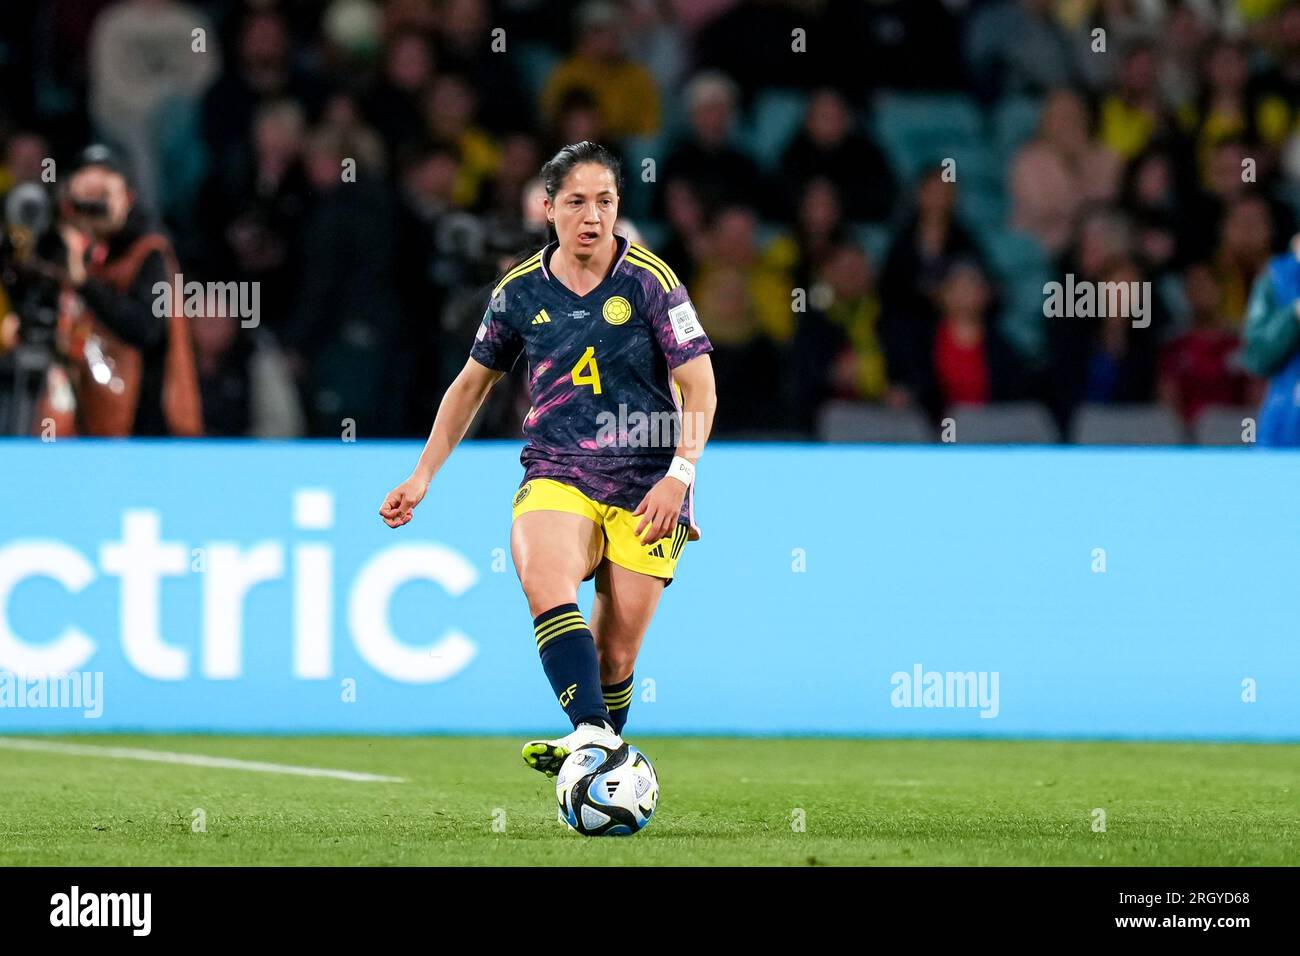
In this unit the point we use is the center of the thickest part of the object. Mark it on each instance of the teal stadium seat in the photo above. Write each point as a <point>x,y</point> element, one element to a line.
<point>918,129</point>
<point>875,238</point>
<point>535,61</point>
<point>182,159</point>
<point>771,123</point>
<point>1023,270</point>
<point>1015,120</point>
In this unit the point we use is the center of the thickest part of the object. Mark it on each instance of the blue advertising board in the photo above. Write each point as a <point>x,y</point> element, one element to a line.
<point>251,587</point>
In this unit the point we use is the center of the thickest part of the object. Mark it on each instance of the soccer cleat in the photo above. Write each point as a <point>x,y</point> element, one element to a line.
<point>547,756</point>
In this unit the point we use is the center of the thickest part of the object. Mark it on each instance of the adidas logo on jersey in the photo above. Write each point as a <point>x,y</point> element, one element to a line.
<point>541,317</point>
<point>657,551</point>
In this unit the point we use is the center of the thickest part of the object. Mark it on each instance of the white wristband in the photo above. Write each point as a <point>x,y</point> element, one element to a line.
<point>682,470</point>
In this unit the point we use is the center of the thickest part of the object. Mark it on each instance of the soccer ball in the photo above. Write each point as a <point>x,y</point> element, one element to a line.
<point>605,792</point>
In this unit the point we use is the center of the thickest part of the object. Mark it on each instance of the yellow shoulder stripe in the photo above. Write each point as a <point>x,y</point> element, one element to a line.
<point>528,265</point>
<point>651,257</point>
<point>653,269</point>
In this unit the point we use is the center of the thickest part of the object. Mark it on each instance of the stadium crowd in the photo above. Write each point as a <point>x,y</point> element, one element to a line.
<point>864,197</point>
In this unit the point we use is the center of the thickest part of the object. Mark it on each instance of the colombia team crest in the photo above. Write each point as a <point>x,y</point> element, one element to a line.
<point>617,310</point>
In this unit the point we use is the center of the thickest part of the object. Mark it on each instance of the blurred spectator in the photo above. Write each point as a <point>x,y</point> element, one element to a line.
<point>748,301</point>
<point>254,215</point>
<point>24,158</point>
<point>1059,172</point>
<point>660,45</point>
<point>973,365</point>
<point>576,119</point>
<point>1198,367</point>
<point>357,141</point>
<point>685,214</point>
<point>1132,115</point>
<point>1183,37</point>
<point>142,55</point>
<point>464,46</point>
<point>450,114</point>
<point>827,145</point>
<point>393,104</point>
<point>721,173</point>
<point>930,240</point>
<point>1101,359</point>
<point>1151,200</point>
<point>1244,246</point>
<point>896,36</point>
<point>1016,47</point>
<point>623,88</point>
<point>343,332</point>
<point>819,231</point>
<point>837,347</point>
<point>1223,111</point>
<point>246,386</point>
<point>261,70</point>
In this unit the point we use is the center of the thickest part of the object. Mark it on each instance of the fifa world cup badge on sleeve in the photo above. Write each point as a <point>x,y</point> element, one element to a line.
<point>685,325</point>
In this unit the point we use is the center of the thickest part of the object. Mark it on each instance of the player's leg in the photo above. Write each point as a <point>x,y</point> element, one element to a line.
<point>629,584</point>
<point>556,543</point>
<point>625,603</point>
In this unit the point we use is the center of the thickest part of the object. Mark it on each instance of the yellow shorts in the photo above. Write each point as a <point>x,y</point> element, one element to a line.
<point>659,558</point>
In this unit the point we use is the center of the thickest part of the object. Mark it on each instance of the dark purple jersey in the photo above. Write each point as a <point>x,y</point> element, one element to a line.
<point>605,415</point>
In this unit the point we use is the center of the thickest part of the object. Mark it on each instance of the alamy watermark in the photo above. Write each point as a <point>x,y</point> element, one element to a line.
<point>922,688</point>
<point>77,690</point>
<point>636,429</point>
<point>232,300</point>
<point>1082,299</point>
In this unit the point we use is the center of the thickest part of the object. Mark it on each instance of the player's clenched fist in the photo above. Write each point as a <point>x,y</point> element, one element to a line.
<point>401,501</point>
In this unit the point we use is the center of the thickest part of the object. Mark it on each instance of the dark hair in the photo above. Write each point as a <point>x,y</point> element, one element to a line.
<point>561,164</point>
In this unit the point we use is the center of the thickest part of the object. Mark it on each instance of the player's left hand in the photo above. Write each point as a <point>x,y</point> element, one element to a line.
<point>660,510</point>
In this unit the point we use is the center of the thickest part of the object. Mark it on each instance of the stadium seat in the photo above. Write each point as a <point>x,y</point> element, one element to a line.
<point>875,238</point>
<point>1222,425</point>
<point>917,130</point>
<point>1023,268</point>
<point>843,421</point>
<point>1015,120</point>
<point>535,61</point>
<point>1127,425</point>
<point>771,123</point>
<point>1009,423</point>
<point>182,160</point>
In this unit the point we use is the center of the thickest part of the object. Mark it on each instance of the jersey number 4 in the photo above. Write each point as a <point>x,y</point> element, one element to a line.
<point>586,372</point>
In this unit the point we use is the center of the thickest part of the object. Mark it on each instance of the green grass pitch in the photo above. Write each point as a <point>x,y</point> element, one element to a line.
<point>471,801</point>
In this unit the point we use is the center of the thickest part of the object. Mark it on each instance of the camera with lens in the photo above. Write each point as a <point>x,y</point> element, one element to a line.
<point>29,247</point>
<point>30,250</point>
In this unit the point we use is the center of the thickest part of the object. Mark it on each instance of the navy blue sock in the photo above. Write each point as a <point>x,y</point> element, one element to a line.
<point>618,698</point>
<point>569,659</point>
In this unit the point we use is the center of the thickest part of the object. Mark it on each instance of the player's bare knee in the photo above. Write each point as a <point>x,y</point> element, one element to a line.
<point>545,589</point>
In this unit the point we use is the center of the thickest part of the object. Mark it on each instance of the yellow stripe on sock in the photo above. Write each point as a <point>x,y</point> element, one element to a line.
<point>578,626</point>
<point>568,617</point>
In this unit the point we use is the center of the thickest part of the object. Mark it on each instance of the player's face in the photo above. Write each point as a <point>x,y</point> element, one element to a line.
<point>584,209</point>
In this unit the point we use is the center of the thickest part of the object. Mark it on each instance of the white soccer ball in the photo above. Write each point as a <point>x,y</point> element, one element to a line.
<point>605,792</point>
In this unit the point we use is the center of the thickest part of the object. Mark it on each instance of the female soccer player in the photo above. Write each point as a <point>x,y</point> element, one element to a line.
<point>612,341</point>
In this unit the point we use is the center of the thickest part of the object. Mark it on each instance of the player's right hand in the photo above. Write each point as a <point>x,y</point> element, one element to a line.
<point>401,501</point>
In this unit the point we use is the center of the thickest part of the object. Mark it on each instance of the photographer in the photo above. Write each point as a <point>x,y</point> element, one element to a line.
<point>114,262</point>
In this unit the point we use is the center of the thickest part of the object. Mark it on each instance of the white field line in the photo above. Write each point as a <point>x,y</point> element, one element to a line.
<point>193,760</point>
